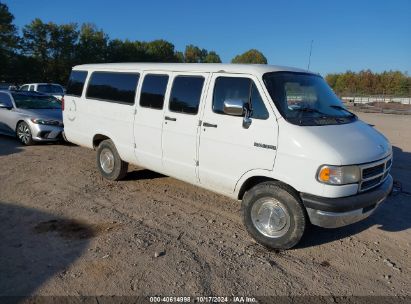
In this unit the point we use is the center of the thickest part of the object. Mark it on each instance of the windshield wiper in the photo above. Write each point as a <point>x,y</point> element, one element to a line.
<point>307,109</point>
<point>343,109</point>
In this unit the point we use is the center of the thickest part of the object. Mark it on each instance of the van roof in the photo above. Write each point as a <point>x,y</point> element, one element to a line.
<point>192,67</point>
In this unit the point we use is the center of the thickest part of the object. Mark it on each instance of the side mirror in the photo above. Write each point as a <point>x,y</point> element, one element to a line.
<point>5,106</point>
<point>234,107</point>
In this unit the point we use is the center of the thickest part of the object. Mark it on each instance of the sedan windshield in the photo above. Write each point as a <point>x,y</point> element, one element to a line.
<point>50,89</point>
<point>306,99</point>
<point>26,101</point>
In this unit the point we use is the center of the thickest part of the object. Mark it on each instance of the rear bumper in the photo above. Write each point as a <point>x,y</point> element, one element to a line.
<point>337,212</point>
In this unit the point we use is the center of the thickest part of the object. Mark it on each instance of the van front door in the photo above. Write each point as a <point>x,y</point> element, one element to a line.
<point>181,125</point>
<point>228,149</point>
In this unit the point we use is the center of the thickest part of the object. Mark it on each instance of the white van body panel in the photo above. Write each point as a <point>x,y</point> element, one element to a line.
<point>224,157</point>
<point>148,128</point>
<point>228,151</point>
<point>77,127</point>
<point>182,132</point>
<point>303,149</point>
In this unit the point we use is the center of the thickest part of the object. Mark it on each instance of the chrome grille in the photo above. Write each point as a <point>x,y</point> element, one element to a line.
<point>373,174</point>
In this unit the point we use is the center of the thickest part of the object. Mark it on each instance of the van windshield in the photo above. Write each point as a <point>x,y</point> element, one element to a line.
<point>306,99</point>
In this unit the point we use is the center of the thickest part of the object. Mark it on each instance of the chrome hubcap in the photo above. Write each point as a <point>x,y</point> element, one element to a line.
<point>270,217</point>
<point>23,133</point>
<point>107,160</point>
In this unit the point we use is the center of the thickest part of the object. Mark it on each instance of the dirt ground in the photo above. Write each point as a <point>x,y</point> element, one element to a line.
<point>66,231</point>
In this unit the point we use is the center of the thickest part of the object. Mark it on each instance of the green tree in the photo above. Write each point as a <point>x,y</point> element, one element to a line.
<point>8,41</point>
<point>212,57</point>
<point>50,47</point>
<point>193,54</point>
<point>368,83</point>
<point>332,80</point>
<point>179,56</point>
<point>126,51</point>
<point>161,51</point>
<point>36,44</point>
<point>62,56</point>
<point>251,56</point>
<point>92,45</point>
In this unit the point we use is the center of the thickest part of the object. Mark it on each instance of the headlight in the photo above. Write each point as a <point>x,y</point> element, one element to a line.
<point>46,122</point>
<point>339,175</point>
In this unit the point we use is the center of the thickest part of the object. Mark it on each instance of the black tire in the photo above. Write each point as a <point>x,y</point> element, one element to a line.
<point>23,133</point>
<point>117,168</point>
<point>291,211</point>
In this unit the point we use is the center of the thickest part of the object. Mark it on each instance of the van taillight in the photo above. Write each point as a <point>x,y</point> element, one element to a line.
<point>62,103</point>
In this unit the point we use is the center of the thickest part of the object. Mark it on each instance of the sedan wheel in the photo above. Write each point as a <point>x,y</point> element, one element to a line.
<point>24,134</point>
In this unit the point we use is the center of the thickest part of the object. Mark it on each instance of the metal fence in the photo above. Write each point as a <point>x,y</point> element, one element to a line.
<point>384,99</point>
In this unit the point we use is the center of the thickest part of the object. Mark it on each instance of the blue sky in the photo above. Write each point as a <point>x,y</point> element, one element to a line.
<point>348,35</point>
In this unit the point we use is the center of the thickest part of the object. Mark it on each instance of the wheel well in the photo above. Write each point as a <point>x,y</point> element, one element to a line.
<point>255,180</point>
<point>17,124</point>
<point>97,139</point>
<point>251,182</point>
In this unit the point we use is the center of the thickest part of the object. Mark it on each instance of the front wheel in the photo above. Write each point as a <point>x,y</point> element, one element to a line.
<point>23,133</point>
<point>274,215</point>
<point>109,163</point>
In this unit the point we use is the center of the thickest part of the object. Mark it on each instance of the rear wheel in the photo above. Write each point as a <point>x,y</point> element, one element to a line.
<point>274,215</point>
<point>109,163</point>
<point>23,133</point>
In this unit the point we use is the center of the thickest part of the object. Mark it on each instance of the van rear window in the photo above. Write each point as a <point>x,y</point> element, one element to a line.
<point>113,87</point>
<point>76,83</point>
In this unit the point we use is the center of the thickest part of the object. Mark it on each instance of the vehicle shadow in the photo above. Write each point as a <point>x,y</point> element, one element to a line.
<point>36,246</point>
<point>9,145</point>
<point>394,215</point>
<point>142,174</point>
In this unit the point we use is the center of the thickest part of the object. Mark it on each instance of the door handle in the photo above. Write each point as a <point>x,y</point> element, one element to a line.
<point>170,118</point>
<point>206,124</point>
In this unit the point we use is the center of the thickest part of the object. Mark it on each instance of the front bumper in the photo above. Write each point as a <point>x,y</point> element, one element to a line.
<point>45,132</point>
<point>337,212</point>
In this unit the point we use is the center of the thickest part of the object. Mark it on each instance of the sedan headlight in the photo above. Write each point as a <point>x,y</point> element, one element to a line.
<point>46,122</point>
<point>339,175</point>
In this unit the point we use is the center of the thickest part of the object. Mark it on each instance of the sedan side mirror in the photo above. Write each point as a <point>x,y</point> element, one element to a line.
<point>5,106</point>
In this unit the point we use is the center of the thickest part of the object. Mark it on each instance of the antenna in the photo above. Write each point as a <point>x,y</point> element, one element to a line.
<point>309,58</point>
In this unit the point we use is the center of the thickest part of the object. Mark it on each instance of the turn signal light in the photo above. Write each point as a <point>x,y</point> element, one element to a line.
<point>324,175</point>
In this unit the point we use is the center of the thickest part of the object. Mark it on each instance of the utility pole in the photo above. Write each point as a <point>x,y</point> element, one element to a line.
<point>309,57</point>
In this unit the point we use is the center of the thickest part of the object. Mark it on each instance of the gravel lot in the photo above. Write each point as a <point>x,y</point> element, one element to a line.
<point>66,231</point>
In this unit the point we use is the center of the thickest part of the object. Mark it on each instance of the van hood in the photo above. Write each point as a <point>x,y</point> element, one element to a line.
<point>345,144</point>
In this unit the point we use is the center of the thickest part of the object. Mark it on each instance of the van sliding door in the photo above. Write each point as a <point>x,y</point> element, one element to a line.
<point>148,122</point>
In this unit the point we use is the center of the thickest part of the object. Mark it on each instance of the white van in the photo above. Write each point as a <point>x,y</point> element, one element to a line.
<point>276,138</point>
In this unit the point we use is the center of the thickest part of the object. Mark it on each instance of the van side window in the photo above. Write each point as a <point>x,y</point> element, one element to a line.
<point>185,94</point>
<point>238,88</point>
<point>153,91</point>
<point>31,88</point>
<point>24,88</point>
<point>113,87</point>
<point>76,83</point>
